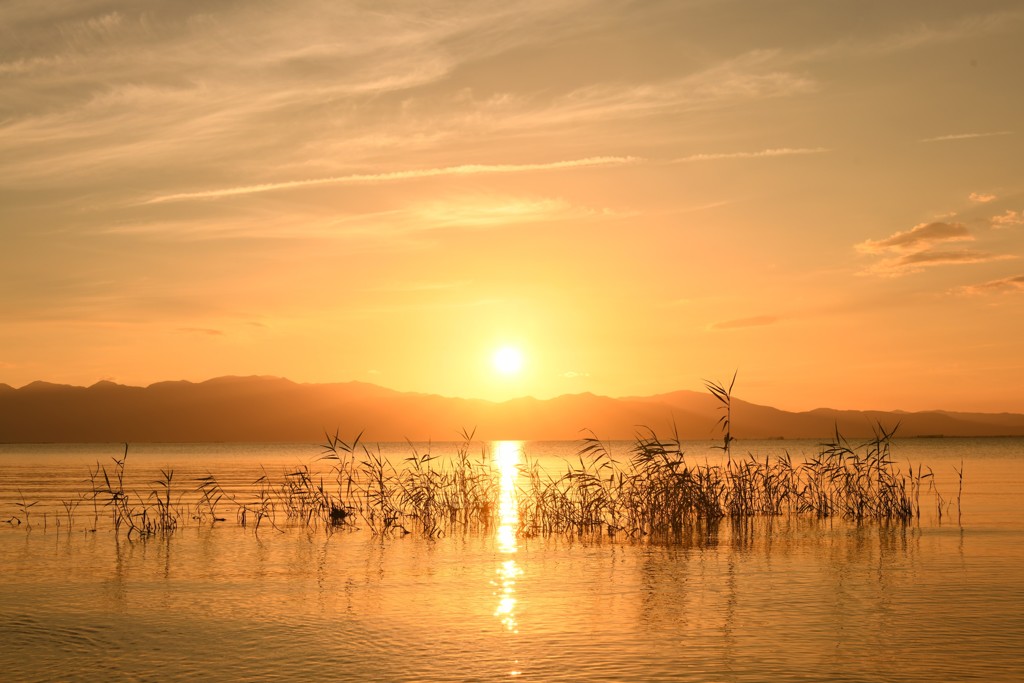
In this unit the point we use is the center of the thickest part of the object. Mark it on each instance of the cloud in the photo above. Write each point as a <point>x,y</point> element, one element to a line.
<point>1008,218</point>
<point>914,250</point>
<point>935,257</point>
<point>921,235</point>
<point>598,105</point>
<point>488,212</point>
<point>919,260</point>
<point>923,32</point>
<point>756,321</point>
<point>776,152</point>
<point>966,136</point>
<point>392,176</point>
<point>1004,285</point>
<point>750,76</point>
<point>202,330</point>
<point>485,213</point>
<point>572,374</point>
<point>98,93</point>
<point>981,198</point>
<point>366,228</point>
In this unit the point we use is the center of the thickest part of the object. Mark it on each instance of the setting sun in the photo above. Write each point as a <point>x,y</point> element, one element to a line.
<point>508,360</point>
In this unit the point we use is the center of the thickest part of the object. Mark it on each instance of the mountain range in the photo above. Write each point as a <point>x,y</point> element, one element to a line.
<point>272,409</point>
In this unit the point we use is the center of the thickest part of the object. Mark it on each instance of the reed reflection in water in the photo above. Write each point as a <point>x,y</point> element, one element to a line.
<point>506,460</point>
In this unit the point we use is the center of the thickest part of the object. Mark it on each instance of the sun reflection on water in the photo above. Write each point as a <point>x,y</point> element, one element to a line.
<point>506,459</point>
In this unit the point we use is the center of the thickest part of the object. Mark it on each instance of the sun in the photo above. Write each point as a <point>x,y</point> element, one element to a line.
<point>508,360</point>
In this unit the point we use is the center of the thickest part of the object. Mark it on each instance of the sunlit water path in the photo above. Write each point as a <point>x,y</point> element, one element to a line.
<point>800,600</point>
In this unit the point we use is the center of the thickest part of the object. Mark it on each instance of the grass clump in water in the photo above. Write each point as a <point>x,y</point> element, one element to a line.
<point>155,513</point>
<point>655,492</point>
<point>660,493</point>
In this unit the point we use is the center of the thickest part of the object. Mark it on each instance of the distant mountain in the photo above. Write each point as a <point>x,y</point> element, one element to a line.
<point>250,409</point>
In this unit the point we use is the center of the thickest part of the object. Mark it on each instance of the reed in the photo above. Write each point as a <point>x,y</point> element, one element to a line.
<point>25,509</point>
<point>343,468</point>
<point>959,491</point>
<point>70,507</point>
<point>661,494</point>
<point>210,495</point>
<point>656,493</point>
<point>156,513</point>
<point>724,396</point>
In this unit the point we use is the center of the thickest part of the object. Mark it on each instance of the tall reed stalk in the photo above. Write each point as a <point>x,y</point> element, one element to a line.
<point>724,396</point>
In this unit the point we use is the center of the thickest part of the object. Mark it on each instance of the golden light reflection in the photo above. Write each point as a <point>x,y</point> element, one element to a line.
<point>506,459</point>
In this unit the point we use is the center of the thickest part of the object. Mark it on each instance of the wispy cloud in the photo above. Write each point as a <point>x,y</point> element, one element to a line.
<point>921,235</point>
<point>498,211</point>
<point>1004,285</point>
<point>202,330</point>
<point>393,176</point>
<point>966,136</point>
<point>573,374</point>
<point>913,250</point>
<point>982,197</point>
<point>917,261</point>
<point>931,257</point>
<point>137,90</point>
<point>764,153</point>
<point>755,321</point>
<point>750,76</point>
<point>366,228</point>
<point>923,33</point>
<point>1008,218</point>
<point>132,97</point>
<point>602,104</point>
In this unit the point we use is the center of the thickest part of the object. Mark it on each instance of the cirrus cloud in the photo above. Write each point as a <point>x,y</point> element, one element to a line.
<point>924,246</point>
<point>966,136</point>
<point>392,176</point>
<point>1004,285</point>
<point>921,235</point>
<point>932,257</point>
<point>764,153</point>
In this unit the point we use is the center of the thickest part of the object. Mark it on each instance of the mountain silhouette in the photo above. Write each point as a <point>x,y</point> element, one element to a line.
<point>272,409</point>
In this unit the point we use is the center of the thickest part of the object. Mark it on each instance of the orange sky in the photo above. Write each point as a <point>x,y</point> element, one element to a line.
<point>827,196</point>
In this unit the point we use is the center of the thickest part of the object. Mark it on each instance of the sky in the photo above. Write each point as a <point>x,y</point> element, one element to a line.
<point>826,196</point>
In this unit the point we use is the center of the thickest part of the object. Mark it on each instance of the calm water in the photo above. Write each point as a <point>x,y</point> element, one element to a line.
<point>801,601</point>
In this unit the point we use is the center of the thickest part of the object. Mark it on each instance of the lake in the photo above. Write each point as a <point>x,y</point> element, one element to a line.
<point>788,598</point>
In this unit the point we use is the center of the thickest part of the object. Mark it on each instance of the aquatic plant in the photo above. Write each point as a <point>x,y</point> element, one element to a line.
<point>656,493</point>
<point>24,507</point>
<point>724,396</point>
<point>210,495</point>
<point>156,513</point>
<point>660,493</point>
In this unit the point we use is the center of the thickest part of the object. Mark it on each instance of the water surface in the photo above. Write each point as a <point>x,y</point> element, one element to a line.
<point>787,599</point>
